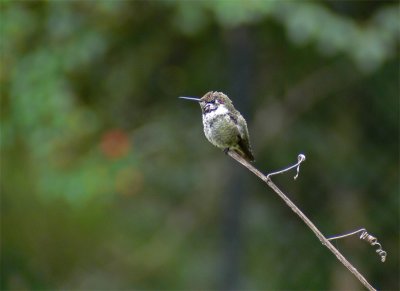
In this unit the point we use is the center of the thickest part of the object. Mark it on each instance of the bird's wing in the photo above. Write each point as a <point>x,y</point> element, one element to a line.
<point>244,141</point>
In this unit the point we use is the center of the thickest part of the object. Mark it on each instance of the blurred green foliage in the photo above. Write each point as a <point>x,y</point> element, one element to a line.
<point>108,183</point>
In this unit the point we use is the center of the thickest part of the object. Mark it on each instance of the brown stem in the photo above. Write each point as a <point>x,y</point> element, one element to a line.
<point>305,219</point>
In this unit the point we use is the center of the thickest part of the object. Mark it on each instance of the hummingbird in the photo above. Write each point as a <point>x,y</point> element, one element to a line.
<point>224,126</point>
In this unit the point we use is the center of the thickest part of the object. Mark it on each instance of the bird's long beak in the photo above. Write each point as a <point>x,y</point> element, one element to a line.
<point>191,98</point>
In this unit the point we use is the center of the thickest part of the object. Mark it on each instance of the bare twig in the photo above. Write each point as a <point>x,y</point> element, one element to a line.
<point>314,229</point>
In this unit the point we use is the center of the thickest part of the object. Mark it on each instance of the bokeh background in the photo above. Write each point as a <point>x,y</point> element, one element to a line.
<point>108,183</point>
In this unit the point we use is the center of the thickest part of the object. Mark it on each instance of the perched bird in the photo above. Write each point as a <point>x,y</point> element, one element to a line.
<point>224,126</point>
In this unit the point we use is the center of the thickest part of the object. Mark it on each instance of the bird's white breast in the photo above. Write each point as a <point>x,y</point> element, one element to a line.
<point>220,110</point>
<point>209,117</point>
<point>219,127</point>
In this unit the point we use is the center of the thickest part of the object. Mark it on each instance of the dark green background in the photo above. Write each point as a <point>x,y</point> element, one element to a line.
<point>108,183</point>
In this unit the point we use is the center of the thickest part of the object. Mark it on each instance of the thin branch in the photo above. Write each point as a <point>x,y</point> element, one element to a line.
<point>305,219</point>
